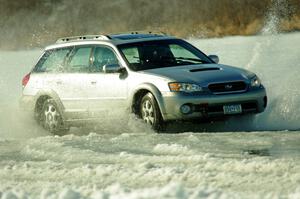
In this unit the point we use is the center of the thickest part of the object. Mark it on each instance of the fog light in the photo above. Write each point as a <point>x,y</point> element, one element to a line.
<point>185,109</point>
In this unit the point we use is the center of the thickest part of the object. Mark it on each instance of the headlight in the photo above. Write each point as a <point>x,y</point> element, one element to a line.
<point>184,87</point>
<point>255,82</point>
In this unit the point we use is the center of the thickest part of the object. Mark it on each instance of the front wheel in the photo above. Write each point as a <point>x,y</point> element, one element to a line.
<point>150,113</point>
<point>51,118</point>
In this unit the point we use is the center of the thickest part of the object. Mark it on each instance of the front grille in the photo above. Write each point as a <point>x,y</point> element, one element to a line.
<point>228,87</point>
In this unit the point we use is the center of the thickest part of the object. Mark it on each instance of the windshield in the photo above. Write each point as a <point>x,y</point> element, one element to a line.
<point>161,53</point>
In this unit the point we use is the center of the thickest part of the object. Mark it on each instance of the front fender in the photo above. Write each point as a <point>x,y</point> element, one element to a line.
<point>154,90</point>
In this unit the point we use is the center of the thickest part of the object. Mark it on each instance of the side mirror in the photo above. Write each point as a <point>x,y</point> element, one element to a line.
<point>215,58</point>
<point>112,68</point>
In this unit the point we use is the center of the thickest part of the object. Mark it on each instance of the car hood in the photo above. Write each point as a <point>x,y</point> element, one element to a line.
<point>203,74</point>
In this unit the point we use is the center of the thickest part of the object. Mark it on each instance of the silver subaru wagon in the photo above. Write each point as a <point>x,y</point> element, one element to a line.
<point>157,77</point>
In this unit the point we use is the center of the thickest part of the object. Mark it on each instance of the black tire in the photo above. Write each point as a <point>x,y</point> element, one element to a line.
<point>150,112</point>
<point>51,119</point>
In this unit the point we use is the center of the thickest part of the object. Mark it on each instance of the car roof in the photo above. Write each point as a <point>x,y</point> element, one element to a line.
<point>112,39</point>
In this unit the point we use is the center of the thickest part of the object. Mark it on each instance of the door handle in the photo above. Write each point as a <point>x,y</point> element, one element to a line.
<point>58,82</point>
<point>93,82</point>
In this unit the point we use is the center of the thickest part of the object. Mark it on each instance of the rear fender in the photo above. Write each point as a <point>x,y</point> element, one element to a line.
<point>53,95</point>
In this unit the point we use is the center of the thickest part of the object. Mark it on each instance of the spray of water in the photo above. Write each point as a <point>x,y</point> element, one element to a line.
<point>281,113</point>
<point>271,28</point>
<point>272,22</point>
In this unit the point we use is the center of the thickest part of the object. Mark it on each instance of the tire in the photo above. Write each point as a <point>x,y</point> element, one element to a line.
<point>150,113</point>
<point>51,118</point>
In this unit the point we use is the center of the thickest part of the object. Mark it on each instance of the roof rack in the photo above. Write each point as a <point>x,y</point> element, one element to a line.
<point>106,37</point>
<point>142,32</point>
<point>83,37</point>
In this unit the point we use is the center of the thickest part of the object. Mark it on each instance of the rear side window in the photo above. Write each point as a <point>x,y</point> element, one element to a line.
<point>80,60</point>
<point>52,60</point>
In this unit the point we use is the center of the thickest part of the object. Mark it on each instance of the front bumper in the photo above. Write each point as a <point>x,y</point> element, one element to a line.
<point>210,105</point>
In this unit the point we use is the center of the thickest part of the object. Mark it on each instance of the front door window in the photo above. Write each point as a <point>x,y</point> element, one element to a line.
<point>103,56</point>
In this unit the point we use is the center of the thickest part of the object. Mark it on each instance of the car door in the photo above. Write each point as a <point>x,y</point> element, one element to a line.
<point>108,91</point>
<point>73,84</point>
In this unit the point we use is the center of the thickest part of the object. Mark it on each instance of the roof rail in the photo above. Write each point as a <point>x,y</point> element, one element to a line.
<point>83,37</point>
<point>142,32</point>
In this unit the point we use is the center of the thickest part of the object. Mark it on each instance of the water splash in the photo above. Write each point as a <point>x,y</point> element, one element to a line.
<point>272,21</point>
<point>279,9</point>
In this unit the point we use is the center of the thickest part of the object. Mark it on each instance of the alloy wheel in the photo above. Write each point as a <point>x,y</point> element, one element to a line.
<point>148,114</point>
<point>51,117</point>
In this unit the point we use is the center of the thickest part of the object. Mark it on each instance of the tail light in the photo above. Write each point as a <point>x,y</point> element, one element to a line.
<point>25,80</point>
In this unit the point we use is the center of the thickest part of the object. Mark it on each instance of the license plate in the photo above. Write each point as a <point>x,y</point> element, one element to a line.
<point>232,109</point>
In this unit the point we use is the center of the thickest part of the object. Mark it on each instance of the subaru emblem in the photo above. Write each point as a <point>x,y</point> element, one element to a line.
<point>228,86</point>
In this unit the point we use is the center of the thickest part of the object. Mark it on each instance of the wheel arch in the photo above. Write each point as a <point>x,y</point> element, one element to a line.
<point>142,90</point>
<point>42,96</point>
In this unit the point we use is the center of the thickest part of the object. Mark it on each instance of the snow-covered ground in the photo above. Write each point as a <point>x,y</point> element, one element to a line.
<point>122,159</point>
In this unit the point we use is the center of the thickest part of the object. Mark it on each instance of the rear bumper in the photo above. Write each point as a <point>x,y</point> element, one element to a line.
<point>254,101</point>
<point>26,103</point>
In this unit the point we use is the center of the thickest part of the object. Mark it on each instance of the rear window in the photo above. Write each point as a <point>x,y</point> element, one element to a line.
<point>52,60</point>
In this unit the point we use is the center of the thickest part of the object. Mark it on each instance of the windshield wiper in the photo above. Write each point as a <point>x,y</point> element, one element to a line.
<point>192,59</point>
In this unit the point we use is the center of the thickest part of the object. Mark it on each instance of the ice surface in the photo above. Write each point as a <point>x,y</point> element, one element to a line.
<point>239,158</point>
<point>139,165</point>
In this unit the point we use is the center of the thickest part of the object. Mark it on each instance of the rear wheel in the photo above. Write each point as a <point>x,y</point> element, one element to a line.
<point>150,113</point>
<point>51,118</point>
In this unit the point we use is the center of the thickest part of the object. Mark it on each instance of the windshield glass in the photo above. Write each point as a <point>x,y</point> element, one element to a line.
<point>161,53</point>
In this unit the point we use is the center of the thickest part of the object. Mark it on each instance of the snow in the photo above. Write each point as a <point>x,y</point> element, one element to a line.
<point>238,158</point>
<point>152,166</point>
